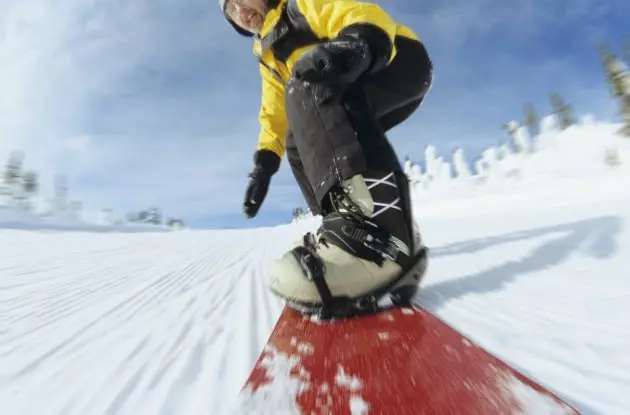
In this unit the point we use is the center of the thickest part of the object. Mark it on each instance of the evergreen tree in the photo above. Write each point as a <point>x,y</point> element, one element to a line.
<point>532,121</point>
<point>563,111</point>
<point>175,223</point>
<point>13,169</point>
<point>298,212</point>
<point>607,60</point>
<point>142,216</point>
<point>30,183</point>
<point>618,79</point>
<point>154,216</point>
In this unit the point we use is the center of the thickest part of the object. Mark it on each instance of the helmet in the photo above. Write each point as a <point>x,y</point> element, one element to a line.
<point>236,27</point>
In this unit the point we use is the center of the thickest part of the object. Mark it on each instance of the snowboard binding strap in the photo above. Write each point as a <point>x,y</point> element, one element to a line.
<point>394,294</point>
<point>314,269</point>
<point>367,242</point>
<point>363,239</point>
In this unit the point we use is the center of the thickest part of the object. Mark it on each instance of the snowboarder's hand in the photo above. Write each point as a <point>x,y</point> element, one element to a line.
<point>266,165</point>
<point>339,61</point>
<point>256,192</point>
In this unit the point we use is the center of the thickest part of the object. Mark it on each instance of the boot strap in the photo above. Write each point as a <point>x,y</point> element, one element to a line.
<point>362,239</point>
<point>314,270</point>
<point>342,306</point>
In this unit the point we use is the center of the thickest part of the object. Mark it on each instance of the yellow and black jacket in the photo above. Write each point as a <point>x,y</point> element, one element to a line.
<point>293,27</point>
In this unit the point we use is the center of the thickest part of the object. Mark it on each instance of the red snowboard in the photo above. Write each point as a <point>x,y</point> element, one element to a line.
<point>402,361</point>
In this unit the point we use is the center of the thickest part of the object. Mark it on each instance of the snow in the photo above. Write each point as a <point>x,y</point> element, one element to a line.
<point>343,379</point>
<point>533,402</point>
<point>358,406</point>
<point>278,366</point>
<point>530,260</point>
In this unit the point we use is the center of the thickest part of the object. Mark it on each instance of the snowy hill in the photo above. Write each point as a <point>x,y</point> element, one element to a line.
<point>530,259</point>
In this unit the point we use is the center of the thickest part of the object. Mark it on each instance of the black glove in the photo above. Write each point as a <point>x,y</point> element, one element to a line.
<point>266,164</point>
<point>328,68</point>
<point>332,65</point>
<point>340,61</point>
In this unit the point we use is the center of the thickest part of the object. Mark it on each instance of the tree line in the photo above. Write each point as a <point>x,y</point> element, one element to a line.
<point>20,187</point>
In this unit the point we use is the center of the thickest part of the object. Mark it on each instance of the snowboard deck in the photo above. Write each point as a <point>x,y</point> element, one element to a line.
<point>400,361</point>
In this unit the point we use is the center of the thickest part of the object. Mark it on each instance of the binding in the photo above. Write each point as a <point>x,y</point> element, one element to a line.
<point>367,241</point>
<point>397,293</point>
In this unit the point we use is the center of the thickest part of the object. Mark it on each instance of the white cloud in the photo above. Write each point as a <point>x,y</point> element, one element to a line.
<point>102,91</point>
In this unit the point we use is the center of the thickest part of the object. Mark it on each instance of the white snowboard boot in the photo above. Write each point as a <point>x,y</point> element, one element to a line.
<point>366,248</point>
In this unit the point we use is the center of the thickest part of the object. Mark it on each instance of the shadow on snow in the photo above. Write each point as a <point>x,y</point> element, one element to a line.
<point>594,237</point>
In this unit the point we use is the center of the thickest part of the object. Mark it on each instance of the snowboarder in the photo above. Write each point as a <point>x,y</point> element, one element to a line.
<point>336,76</point>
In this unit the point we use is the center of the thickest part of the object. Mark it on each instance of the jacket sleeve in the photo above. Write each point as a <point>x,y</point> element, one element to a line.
<point>272,116</point>
<point>331,18</point>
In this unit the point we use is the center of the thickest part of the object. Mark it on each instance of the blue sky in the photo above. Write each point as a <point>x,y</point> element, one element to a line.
<point>155,102</point>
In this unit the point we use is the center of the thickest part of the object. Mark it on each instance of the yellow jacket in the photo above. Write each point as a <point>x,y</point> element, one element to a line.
<point>291,29</point>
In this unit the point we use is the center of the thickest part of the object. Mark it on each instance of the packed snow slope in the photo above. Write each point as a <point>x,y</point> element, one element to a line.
<point>534,266</point>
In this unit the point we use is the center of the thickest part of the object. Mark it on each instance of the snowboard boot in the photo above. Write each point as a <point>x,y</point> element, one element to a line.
<point>367,252</point>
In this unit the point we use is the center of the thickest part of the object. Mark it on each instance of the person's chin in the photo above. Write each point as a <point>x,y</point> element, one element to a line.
<point>255,27</point>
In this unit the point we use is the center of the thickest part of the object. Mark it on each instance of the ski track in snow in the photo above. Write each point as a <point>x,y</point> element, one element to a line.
<point>107,324</point>
<point>172,323</point>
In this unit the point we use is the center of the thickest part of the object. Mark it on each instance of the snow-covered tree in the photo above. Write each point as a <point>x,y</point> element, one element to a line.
<point>154,216</point>
<point>19,185</point>
<point>490,155</point>
<point>13,174</point>
<point>460,165</point>
<point>518,137</point>
<point>412,171</point>
<point>175,223</point>
<point>618,77</point>
<point>298,212</point>
<point>532,121</point>
<point>407,166</point>
<point>446,171</point>
<point>26,190</point>
<point>481,168</point>
<point>549,123</point>
<point>431,162</point>
<point>30,183</point>
<point>503,151</point>
<point>416,171</point>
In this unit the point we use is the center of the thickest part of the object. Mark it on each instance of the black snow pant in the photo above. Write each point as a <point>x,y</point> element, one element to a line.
<point>332,142</point>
